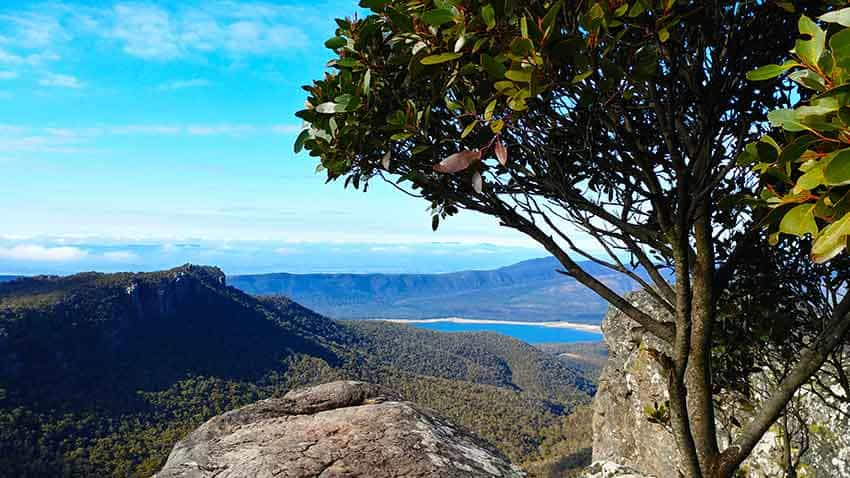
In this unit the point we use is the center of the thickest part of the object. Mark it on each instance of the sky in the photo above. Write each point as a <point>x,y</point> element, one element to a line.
<point>143,135</point>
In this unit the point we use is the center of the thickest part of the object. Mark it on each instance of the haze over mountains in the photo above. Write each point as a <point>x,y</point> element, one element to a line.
<point>527,291</point>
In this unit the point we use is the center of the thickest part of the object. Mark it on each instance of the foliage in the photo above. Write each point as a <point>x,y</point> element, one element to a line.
<point>807,170</point>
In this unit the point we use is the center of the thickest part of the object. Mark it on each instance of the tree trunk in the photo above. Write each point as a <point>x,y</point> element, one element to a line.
<point>699,379</point>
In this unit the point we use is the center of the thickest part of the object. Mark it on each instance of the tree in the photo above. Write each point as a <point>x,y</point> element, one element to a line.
<point>621,119</point>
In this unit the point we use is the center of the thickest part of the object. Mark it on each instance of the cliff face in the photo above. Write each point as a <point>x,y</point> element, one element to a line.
<point>630,382</point>
<point>339,429</point>
<point>91,334</point>
<point>632,392</point>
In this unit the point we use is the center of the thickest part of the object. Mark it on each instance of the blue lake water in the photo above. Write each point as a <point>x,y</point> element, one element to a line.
<point>533,334</point>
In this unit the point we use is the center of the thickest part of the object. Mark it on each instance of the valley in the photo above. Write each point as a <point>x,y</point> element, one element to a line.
<point>100,374</point>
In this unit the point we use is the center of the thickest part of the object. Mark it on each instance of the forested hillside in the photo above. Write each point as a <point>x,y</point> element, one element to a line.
<point>530,291</point>
<point>101,374</point>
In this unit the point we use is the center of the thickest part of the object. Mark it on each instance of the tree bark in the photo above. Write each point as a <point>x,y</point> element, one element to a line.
<point>699,380</point>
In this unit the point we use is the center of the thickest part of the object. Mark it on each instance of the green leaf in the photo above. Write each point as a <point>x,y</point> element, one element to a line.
<point>812,49</point>
<point>299,141</point>
<point>581,76</point>
<point>438,16</point>
<point>551,16</point>
<point>621,10</point>
<point>767,72</point>
<point>841,17</point>
<point>809,79</point>
<point>812,179</point>
<point>819,107</point>
<point>663,35</point>
<point>831,241</point>
<point>374,5</point>
<point>441,58</point>
<point>520,76</point>
<point>329,108</point>
<point>786,119</point>
<point>493,68</point>
<point>839,43</point>
<point>348,62</point>
<point>638,8</point>
<point>517,102</point>
<point>488,111</point>
<point>488,14</point>
<point>335,42</point>
<point>468,129</point>
<point>837,173</point>
<point>799,221</point>
<point>521,46</point>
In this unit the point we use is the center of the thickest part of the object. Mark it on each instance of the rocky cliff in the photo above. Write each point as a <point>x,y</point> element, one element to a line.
<point>339,429</point>
<point>629,409</point>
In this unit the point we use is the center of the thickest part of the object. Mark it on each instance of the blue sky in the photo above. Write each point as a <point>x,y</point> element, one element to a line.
<point>140,135</point>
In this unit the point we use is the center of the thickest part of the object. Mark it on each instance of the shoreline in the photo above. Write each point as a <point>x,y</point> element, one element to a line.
<point>458,320</point>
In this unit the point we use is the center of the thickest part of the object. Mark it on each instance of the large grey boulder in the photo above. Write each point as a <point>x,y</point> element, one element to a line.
<point>339,429</point>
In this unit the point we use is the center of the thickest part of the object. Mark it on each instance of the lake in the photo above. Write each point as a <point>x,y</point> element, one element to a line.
<point>533,334</point>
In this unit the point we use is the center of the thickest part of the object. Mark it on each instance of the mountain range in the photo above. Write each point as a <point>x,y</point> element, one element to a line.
<point>531,290</point>
<point>100,374</point>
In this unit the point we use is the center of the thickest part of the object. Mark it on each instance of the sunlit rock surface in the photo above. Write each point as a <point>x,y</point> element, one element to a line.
<point>339,429</point>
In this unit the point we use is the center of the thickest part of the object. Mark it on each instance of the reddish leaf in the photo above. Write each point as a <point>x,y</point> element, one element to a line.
<point>501,152</point>
<point>457,162</point>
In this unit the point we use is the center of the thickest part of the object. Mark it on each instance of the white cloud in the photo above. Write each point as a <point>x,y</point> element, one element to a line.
<point>36,253</point>
<point>392,249</point>
<point>8,75</point>
<point>31,59</point>
<point>182,84</point>
<point>220,130</point>
<point>285,251</point>
<point>287,128</point>
<point>148,31</point>
<point>145,129</point>
<point>60,81</point>
<point>35,30</point>
<point>121,256</point>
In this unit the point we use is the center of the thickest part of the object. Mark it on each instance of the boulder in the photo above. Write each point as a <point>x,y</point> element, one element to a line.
<point>339,429</point>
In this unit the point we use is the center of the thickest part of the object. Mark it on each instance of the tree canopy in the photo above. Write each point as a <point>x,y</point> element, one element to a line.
<point>647,126</point>
<point>808,170</point>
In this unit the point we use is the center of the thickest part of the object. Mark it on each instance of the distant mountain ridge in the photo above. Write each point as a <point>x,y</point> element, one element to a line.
<point>529,291</point>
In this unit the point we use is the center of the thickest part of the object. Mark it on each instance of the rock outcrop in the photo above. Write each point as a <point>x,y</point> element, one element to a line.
<point>339,429</point>
<point>632,390</point>
<point>630,382</point>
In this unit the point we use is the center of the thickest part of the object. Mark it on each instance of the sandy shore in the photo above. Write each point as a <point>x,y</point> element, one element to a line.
<point>457,320</point>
